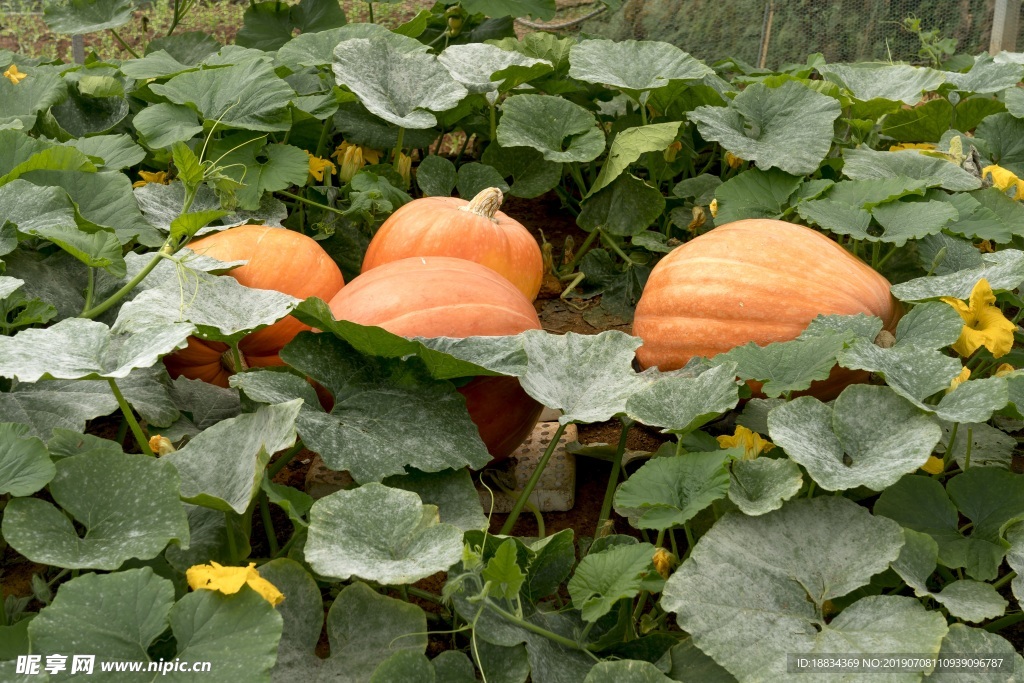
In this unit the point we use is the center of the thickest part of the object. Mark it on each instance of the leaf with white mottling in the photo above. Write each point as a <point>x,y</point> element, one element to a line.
<point>755,588</point>
<point>380,534</point>
<point>870,437</point>
<point>789,127</point>
<point>128,504</point>
<point>761,485</point>
<point>222,466</point>
<point>399,86</point>
<point>1003,270</point>
<point>76,348</point>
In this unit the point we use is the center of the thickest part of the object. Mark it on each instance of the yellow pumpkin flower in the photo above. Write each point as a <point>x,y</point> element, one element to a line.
<point>985,247</point>
<point>229,580</point>
<point>158,178</point>
<point>370,155</point>
<point>714,208</point>
<point>672,151</point>
<point>351,162</point>
<point>753,444</point>
<point>13,75</point>
<point>934,465</point>
<point>1004,370</point>
<point>664,562</point>
<point>733,161</point>
<point>984,324</point>
<point>404,167</point>
<point>318,166</point>
<point>964,375</point>
<point>1004,180</point>
<point>913,145</point>
<point>161,445</point>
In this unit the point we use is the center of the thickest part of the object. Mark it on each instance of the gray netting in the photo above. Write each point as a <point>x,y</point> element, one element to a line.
<point>842,30</point>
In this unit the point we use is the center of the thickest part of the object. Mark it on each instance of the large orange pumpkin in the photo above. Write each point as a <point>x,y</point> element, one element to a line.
<point>278,259</point>
<point>473,230</point>
<point>439,296</point>
<point>759,281</point>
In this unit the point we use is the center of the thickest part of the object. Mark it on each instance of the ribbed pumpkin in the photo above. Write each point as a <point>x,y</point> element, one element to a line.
<point>439,296</point>
<point>473,230</point>
<point>278,259</point>
<point>759,281</point>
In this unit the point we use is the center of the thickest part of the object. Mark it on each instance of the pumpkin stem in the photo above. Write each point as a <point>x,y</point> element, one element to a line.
<point>486,203</point>
<point>231,361</point>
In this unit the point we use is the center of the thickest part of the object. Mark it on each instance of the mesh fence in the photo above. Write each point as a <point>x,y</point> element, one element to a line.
<point>842,30</point>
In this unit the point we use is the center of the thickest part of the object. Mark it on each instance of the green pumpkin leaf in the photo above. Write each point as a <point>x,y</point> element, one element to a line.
<point>92,489</point>
<point>1015,558</point>
<point>1002,134</point>
<point>925,123</point>
<point>1003,270</point>
<point>779,570</point>
<point>840,453</point>
<point>557,128</point>
<point>364,628</point>
<point>633,66</point>
<point>626,671</point>
<point>895,82</point>
<point>502,572</point>
<point>55,404</point>
<point>407,542</point>
<point>754,194</point>
<point>219,307</point>
<point>588,377</point>
<point>20,104</point>
<point>625,207</point>
<point>866,164</point>
<point>451,491</point>
<point>436,176</point>
<point>163,124</point>
<point>474,177</point>
<point>543,10</point>
<point>87,16</point>
<point>475,66</point>
<point>405,93</point>
<point>987,214</point>
<point>679,403</point>
<point>761,485</point>
<point>77,348</point>
<point>433,434</point>
<point>25,465</point>
<point>603,578</point>
<point>670,491</point>
<point>221,467</point>
<point>117,616</point>
<point>116,151</point>
<point>271,25</point>
<point>249,96</point>
<point>629,145</point>
<point>789,127</point>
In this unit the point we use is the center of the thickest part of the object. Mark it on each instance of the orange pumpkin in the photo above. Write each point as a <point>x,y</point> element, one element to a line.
<point>473,230</point>
<point>278,259</point>
<point>438,296</point>
<point>758,281</point>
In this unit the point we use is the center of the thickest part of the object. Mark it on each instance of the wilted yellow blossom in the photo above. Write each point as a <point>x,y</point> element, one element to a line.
<point>699,218</point>
<point>1005,180</point>
<point>934,465</point>
<point>714,208</point>
<point>965,374</point>
<point>370,155</point>
<point>985,247</point>
<point>404,167</point>
<point>229,580</point>
<point>1004,370</point>
<point>672,151</point>
<point>984,323</point>
<point>733,161</point>
<point>13,75</point>
<point>318,166</point>
<point>753,444</point>
<point>913,145</point>
<point>159,178</point>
